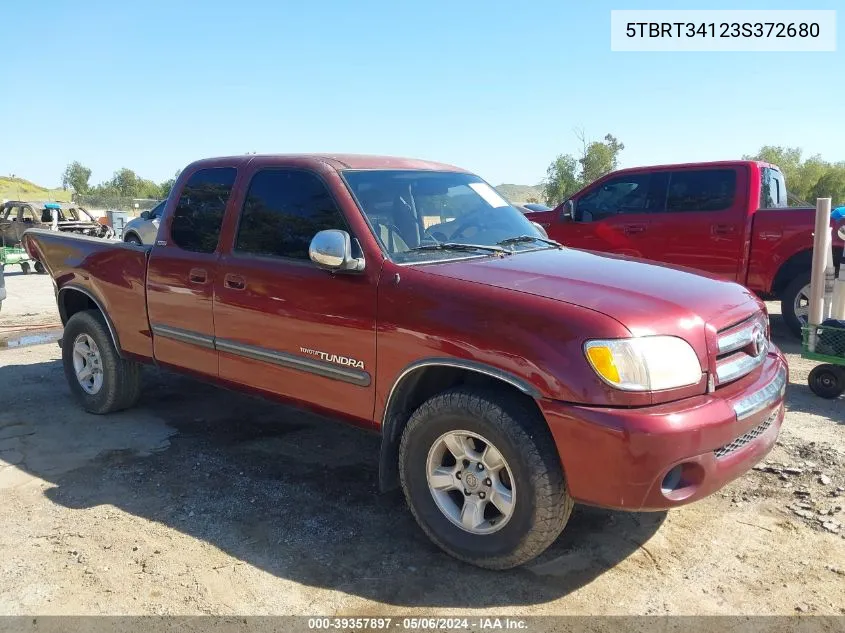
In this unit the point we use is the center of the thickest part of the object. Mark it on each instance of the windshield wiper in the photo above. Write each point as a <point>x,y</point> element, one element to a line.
<point>519,239</point>
<point>459,246</point>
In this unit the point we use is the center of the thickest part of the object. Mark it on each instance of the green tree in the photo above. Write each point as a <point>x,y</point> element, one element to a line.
<point>830,185</point>
<point>561,180</point>
<point>599,158</point>
<point>125,182</point>
<point>167,185</point>
<point>566,174</point>
<point>76,177</point>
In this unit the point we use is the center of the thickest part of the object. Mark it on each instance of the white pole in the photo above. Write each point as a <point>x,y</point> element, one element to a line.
<point>821,244</point>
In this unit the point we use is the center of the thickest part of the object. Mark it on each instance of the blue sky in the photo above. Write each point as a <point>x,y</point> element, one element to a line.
<point>496,87</point>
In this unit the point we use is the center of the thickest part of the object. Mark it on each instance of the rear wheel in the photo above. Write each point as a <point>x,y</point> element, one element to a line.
<point>39,268</point>
<point>827,381</point>
<point>25,268</point>
<point>99,378</point>
<point>795,303</point>
<point>483,478</point>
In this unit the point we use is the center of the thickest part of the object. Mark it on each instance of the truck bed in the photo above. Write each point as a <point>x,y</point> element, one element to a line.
<point>109,274</point>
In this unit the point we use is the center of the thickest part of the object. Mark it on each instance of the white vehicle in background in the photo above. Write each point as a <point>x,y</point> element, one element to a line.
<point>143,229</point>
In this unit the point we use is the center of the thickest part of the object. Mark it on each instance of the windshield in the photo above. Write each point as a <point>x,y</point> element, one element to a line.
<point>421,216</point>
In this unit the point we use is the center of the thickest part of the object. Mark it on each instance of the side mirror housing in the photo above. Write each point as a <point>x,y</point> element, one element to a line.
<point>841,232</point>
<point>145,215</point>
<point>332,250</point>
<point>568,211</point>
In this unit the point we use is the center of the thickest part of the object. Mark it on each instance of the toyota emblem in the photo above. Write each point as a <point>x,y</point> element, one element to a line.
<point>758,338</point>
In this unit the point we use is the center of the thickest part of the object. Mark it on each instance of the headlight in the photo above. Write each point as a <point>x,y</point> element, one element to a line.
<point>648,363</point>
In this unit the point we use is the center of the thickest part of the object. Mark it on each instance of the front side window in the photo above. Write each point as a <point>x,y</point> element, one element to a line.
<point>199,212</point>
<point>420,216</point>
<point>28,215</point>
<point>283,211</point>
<point>701,190</point>
<point>621,195</point>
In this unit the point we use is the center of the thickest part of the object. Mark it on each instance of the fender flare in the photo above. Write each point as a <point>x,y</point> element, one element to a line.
<point>391,427</point>
<point>98,303</point>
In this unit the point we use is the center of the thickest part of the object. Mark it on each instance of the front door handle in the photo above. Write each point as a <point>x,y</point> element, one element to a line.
<point>722,229</point>
<point>235,282</point>
<point>198,276</point>
<point>630,229</point>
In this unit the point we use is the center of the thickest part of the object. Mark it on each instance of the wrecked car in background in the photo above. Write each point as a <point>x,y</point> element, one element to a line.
<point>60,216</point>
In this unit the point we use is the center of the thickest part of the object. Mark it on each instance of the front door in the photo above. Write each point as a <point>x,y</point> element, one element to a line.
<point>614,216</point>
<point>182,270</point>
<point>282,325</point>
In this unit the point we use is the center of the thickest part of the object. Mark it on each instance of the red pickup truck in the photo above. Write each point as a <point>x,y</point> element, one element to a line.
<point>509,377</point>
<point>729,219</point>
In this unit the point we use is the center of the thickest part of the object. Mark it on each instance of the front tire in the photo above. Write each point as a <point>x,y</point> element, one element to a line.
<point>482,477</point>
<point>133,239</point>
<point>795,303</point>
<point>98,377</point>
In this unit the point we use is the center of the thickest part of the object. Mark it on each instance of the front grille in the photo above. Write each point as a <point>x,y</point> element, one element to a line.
<point>745,438</point>
<point>742,348</point>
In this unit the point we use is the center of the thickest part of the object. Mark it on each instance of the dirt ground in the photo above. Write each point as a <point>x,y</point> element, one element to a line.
<point>202,501</point>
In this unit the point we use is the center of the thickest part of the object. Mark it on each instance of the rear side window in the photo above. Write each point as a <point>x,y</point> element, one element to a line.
<point>772,190</point>
<point>284,209</point>
<point>199,212</point>
<point>701,190</point>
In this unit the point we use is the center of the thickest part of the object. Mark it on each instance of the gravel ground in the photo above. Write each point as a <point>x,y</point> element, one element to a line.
<point>202,501</point>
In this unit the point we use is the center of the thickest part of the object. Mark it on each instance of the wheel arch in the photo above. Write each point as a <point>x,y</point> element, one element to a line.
<point>131,233</point>
<point>72,299</point>
<point>800,262</point>
<point>420,381</point>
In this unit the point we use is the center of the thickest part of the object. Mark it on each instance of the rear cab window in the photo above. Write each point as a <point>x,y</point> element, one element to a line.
<point>199,212</point>
<point>772,189</point>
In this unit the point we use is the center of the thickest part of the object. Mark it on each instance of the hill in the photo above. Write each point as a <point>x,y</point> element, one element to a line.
<point>521,193</point>
<point>22,189</point>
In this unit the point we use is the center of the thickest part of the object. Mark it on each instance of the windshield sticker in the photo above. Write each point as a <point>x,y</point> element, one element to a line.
<point>490,195</point>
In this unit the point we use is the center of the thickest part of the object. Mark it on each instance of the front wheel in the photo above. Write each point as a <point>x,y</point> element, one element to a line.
<point>39,268</point>
<point>133,239</point>
<point>482,477</point>
<point>827,381</point>
<point>795,303</point>
<point>99,378</point>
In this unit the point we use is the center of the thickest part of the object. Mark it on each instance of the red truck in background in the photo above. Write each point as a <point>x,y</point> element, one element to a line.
<point>509,377</point>
<point>730,219</point>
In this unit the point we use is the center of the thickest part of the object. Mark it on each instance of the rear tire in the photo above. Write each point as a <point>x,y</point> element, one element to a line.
<point>792,300</point>
<point>39,268</point>
<point>827,381</point>
<point>98,377</point>
<point>540,504</point>
<point>25,268</point>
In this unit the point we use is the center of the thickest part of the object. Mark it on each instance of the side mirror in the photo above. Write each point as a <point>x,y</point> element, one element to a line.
<point>332,250</point>
<point>841,232</point>
<point>568,211</point>
<point>145,215</point>
<point>540,228</point>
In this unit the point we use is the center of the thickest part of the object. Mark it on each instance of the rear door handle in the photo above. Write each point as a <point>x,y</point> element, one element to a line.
<point>630,229</point>
<point>198,276</point>
<point>235,282</point>
<point>722,229</point>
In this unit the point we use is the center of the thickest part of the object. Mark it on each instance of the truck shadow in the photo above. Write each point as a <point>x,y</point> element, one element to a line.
<point>288,492</point>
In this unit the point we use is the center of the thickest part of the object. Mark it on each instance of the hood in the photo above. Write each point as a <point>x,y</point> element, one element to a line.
<point>646,297</point>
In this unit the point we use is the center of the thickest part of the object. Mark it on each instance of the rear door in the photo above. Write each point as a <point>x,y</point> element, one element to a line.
<point>614,215</point>
<point>283,325</point>
<point>703,224</point>
<point>182,270</point>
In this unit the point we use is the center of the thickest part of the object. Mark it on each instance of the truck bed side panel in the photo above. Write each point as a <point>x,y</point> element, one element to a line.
<point>112,273</point>
<point>777,235</point>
